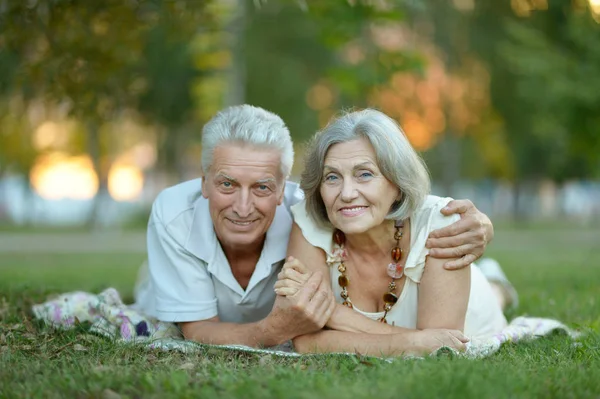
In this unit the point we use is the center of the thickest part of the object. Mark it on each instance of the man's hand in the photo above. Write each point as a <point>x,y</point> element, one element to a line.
<point>465,239</point>
<point>304,312</point>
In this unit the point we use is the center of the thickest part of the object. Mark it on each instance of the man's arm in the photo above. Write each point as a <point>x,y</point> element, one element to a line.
<point>303,313</point>
<point>465,240</point>
<point>184,294</point>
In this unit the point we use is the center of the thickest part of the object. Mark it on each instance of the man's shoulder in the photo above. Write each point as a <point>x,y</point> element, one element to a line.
<point>175,200</point>
<point>292,194</point>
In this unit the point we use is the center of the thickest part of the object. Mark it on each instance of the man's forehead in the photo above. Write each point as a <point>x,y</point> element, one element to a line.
<point>246,163</point>
<point>245,177</point>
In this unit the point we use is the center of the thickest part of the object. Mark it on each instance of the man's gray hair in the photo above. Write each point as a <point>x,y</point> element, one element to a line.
<point>396,159</point>
<point>247,125</point>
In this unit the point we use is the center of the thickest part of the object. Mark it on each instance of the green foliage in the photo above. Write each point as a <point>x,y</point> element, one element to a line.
<point>544,84</point>
<point>289,49</point>
<point>557,79</point>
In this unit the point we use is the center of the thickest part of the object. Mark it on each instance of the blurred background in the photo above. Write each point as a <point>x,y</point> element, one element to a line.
<point>102,103</point>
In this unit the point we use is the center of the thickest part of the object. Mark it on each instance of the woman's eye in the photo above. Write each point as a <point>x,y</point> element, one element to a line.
<point>366,175</point>
<point>330,178</point>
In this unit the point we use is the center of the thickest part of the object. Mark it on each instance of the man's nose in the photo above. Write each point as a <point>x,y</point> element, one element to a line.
<point>243,205</point>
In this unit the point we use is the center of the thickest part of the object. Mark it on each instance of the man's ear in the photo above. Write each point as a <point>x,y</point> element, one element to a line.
<point>204,187</point>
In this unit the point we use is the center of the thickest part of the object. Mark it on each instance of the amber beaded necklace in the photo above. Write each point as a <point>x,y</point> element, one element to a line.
<point>395,270</point>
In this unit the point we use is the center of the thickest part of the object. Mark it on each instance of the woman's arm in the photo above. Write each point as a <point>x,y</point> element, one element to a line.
<point>443,296</point>
<point>314,259</point>
<point>405,343</point>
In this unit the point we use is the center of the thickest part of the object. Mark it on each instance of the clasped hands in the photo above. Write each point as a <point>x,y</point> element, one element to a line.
<point>304,302</point>
<point>309,297</point>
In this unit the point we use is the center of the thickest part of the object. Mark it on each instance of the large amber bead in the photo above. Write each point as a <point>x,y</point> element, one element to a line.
<point>343,281</point>
<point>390,298</point>
<point>396,254</point>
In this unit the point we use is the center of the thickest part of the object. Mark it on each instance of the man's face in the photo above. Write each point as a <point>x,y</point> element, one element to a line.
<point>243,186</point>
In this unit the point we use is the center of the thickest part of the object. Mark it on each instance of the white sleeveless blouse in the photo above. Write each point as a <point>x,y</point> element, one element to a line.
<point>484,316</point>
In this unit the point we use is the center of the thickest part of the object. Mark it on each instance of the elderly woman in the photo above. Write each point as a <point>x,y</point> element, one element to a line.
<point>364,223</point>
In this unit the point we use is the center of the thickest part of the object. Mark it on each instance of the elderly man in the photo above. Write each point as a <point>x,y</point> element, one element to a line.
<point>217,244</point>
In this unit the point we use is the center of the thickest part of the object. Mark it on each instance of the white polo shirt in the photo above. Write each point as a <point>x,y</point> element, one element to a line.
<point>188,277</point>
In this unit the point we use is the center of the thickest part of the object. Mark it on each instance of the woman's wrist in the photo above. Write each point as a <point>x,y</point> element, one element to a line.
<point>348,320</point>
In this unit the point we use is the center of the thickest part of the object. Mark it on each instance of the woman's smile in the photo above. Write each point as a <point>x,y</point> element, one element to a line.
<point>353,211</point>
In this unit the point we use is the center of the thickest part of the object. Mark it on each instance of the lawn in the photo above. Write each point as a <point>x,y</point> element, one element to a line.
<point>556,272</point>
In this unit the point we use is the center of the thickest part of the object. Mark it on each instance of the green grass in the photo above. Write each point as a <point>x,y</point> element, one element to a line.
<point>557,274</point>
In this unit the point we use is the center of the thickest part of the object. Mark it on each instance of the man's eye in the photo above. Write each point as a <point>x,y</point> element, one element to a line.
<point>263,187</point>
<point>226,184</point>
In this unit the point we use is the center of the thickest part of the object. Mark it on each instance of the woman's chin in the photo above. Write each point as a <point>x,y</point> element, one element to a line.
<point>354,227</point>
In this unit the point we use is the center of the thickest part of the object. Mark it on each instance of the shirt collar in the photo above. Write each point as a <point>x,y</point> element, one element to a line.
<point>202,240</point>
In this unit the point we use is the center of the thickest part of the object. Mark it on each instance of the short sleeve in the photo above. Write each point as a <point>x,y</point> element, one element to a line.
<point>425,220</point>
<point>182,286</point>
<point>317,236</point>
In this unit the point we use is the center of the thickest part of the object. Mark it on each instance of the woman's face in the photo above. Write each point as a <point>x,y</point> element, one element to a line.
<point>356,195</point>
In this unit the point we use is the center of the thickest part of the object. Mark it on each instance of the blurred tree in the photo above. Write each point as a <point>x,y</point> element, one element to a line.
<point>540,58</point>
<point>543,61</point>
<point>101,60</point>
<point>556,59</point>
<point>11,142</point>
<point>16,151</point>
<point>81,55</point>
<point>305,60</point>
<point>179,52</point>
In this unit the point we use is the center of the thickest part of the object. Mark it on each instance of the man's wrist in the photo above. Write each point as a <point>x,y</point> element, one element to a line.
<point>270,334</point>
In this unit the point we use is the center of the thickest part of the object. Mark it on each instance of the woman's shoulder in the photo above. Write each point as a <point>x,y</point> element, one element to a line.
<point>316,235</point>
<point>424,220</point>
<point>429,215</point>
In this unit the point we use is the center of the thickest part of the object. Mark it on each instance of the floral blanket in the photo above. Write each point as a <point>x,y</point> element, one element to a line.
<point>110,317</point>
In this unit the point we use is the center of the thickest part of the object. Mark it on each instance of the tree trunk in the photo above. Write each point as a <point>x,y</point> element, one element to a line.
<point>93,144</point>
<point>3,200</point>
<point>450,154</point>
<point>182,164</point>
<point>516,199</point>
<point>236,91</point>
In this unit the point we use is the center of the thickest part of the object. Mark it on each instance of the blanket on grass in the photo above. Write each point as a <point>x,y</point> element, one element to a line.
<point>110,317</point>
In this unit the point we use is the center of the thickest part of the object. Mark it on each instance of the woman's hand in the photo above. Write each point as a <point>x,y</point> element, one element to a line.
<point>292,277</point>
<point>425,342</point>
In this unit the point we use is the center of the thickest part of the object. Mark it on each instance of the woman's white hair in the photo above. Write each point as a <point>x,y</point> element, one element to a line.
<point>396,159</point>
<point>247,125</point>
